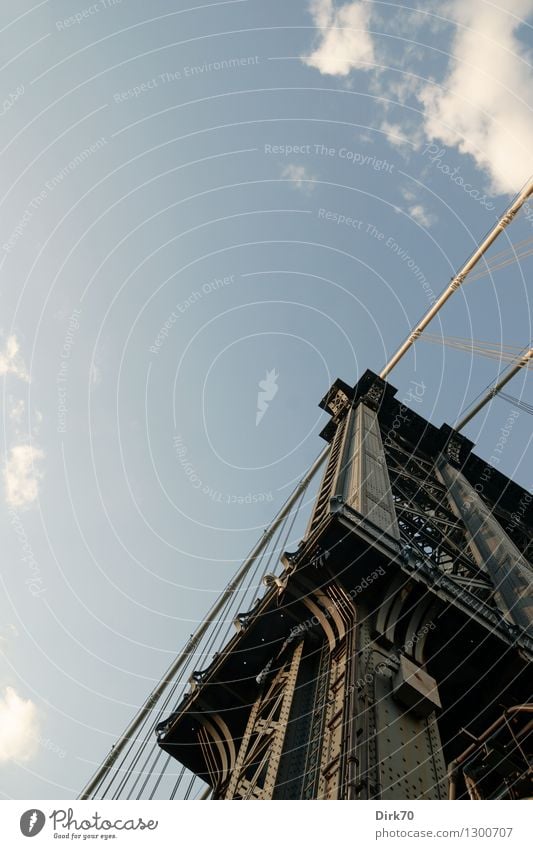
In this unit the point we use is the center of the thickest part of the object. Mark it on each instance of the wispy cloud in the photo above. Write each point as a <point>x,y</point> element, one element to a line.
<point>23,429</point>
<point>22,475</point>
<point>421,215</point>
<point>416,210</point>
<point>19,725</point>
<point>344,42</point>
<point>405,135</point>
<point>11,361</point>
<point>300,177</point>
<point>16,408</point>
<point>7,634</point>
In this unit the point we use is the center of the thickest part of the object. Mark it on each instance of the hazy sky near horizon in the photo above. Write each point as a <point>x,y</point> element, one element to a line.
<point>196,199</point>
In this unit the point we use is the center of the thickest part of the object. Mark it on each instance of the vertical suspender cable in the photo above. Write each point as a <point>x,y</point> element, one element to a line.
<point>146,770</point>
<point>200,632</point>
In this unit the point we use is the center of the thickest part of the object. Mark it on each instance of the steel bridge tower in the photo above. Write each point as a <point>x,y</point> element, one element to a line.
<point>391,657</point>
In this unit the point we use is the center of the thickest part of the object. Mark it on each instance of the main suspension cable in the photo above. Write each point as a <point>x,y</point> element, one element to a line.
<point>459,278</point>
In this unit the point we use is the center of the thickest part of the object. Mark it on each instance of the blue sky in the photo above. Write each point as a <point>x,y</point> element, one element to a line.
<point>196,199</point>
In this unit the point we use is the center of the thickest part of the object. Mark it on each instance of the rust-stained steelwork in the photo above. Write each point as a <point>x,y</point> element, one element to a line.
<point>398,630</point>
<point>498,763</point>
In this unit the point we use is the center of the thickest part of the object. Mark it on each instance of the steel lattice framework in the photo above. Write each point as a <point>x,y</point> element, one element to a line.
<point>404,617</point>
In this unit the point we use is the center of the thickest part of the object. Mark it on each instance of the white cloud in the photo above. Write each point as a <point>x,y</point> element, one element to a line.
<point>18,727</point>
<point>16,409</point>
<point>344,41</point>
<point>484,105</point>
<point>21,475</point>
<point>421,215</point>
<point>366,138</point>
<point>7,634</point>
<point>416,210</point>
<point>38,421</point>
<point>11,361</point>
<point>300,177</point>
<point>18,415</point>
<point>396,134</point>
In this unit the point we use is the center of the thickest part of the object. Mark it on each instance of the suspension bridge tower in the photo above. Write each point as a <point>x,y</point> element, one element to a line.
<point>389,658</point>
